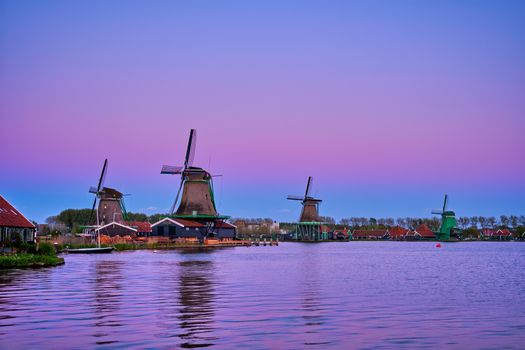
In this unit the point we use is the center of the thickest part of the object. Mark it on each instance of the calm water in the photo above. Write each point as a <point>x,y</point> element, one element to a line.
<point>328,295</point>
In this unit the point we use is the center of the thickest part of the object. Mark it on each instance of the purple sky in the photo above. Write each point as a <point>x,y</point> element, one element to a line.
<point>387,104</point>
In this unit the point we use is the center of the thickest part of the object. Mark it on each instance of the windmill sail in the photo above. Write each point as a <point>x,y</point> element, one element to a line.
<point>190,151</point>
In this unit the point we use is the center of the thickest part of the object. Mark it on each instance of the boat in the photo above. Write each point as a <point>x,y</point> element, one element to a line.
<point>97,250</point>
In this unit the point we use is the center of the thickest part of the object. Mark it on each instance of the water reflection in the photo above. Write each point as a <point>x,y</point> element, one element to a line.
<point>313,310</point>
<point>196,297</point>
<point>107,299</point>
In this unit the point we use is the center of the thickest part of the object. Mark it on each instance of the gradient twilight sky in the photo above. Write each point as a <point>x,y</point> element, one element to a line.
<point>387,104</point>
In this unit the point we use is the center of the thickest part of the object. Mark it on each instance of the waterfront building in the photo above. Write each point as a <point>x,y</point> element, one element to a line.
<point>14,225</point>
<point>380,234</point>
<point>185,228</point>
<point>398,233</point>
<point>425,233</point>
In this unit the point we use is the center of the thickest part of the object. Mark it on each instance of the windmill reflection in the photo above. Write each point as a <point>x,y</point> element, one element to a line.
<point>107,299</point>
<point>196,297</point>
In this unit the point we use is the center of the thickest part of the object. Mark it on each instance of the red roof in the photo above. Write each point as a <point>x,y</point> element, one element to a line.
<point>142,226</point>
<point>188,223</point>
<point>223,224</point>
<point>397,232</point>
<point>369,233</point>
<point>503,233</point>
<point>10,217</point>
<point>425,231</point>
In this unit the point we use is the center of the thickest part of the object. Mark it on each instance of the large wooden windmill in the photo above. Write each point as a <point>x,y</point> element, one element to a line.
<point>448,227</point>
<point>196,185</point>
<point>110,203</point>
<point>196,215</point>
<point>309,227</point>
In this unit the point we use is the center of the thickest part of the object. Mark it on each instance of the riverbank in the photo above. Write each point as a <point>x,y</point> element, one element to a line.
<point>23,260</point>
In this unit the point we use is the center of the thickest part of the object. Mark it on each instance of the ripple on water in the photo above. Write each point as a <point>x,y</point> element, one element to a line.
<point>340,295</point>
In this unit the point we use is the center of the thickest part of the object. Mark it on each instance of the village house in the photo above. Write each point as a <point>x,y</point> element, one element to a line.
<point>341,235</point>
<point>501,235</point>
<point>425,233</point>
<point>380,234</point>
<point>14,225</point>
<point>397,233</point>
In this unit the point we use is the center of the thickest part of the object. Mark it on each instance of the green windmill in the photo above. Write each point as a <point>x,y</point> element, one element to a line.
<point>448,223</point>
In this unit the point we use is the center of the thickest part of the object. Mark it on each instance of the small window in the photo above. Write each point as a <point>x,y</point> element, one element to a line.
<point>187,228</point>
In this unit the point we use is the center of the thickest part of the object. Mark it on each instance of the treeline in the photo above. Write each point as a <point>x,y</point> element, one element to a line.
<point>72,220</point>
<point>464,222</point>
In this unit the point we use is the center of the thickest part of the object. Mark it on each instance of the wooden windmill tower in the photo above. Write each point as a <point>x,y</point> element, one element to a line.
<point>110,203</point>
<point>309,227</point>
<point>448,227</point>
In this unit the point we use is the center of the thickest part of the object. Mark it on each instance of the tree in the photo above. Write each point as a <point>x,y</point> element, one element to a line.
<point>463,222</point>
<point>513,221</point>
<point>345,221</point>
<point>474,221</point>
<point>491,221</point>
<point>504,220</point>
<point>482,221</point>
<point>137,217</point>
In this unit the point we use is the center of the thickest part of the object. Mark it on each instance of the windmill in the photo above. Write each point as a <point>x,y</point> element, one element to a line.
<point>310,212</point>
<point>110,204</point>
<point>448,222</point>
<point>309,228</point>
<point>196,185</point>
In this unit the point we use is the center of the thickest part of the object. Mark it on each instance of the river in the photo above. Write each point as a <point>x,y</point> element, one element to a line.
<point>325,295</point>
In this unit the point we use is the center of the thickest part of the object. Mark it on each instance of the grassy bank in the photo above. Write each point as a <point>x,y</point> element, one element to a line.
<point>28,260</point>
<point>31,256</point>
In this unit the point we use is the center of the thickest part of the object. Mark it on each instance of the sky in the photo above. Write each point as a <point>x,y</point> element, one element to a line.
<point>388,105</point>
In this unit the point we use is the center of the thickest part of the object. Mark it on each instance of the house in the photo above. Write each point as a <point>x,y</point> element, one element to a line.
<point>225,229</point>
<point>143,227</point>
<point>397,233</point>
<point>424,232</point>
<point>14,225</point>
<point>341,235</point>
<point>370,234</point>
<point>116,229</point>
<point>185,228</point>
<point>501,235</point>
<point>412,235</point>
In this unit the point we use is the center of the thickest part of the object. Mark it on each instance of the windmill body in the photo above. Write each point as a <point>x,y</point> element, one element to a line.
<point>309,227</point>
<point>448,228</point>
<point>195,215</point>
<point>110,206</point>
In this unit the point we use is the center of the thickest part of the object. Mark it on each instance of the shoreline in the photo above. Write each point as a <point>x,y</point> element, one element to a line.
<point>26,260</point>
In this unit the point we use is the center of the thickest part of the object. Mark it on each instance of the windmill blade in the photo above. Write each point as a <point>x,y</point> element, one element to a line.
<point>102,176</point>
<point>445,203</point>
<point>190,151</point>
<point>308,186</point>
<point>93,190</point>
<point>437,212</point>
<point>218,175</point>
<point>295,198</point>
<point>171,169</point>
<point>172,210</point>
<point>92,210</point>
